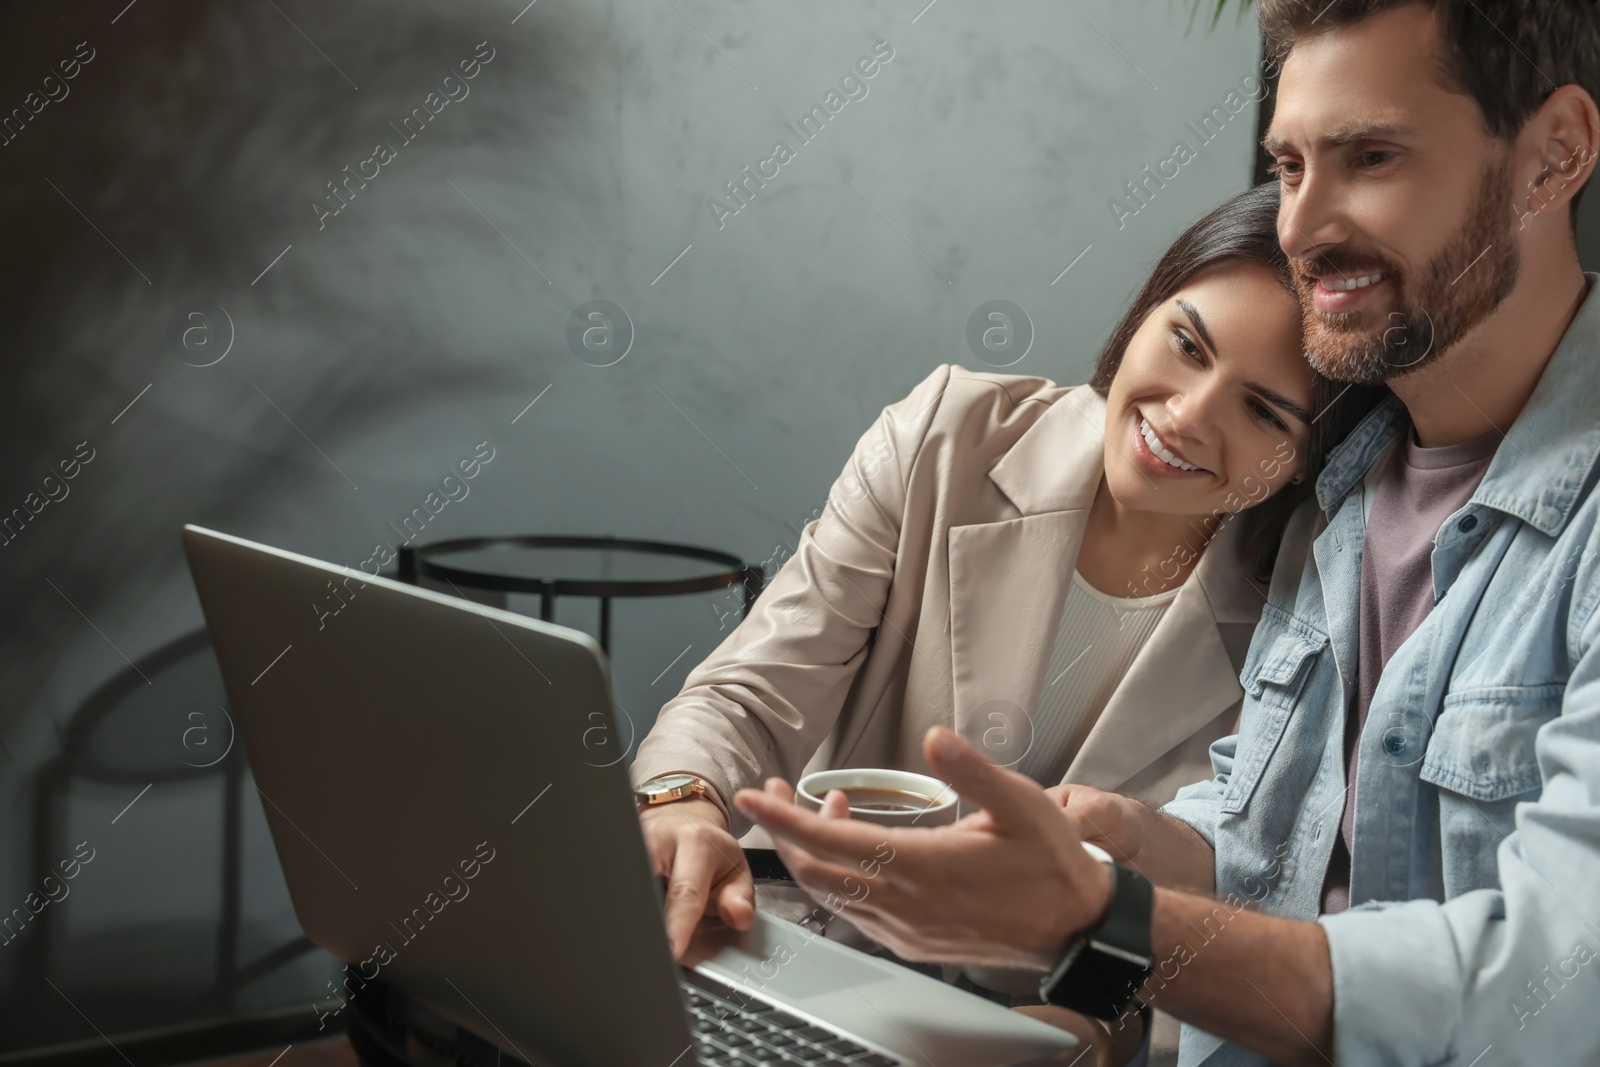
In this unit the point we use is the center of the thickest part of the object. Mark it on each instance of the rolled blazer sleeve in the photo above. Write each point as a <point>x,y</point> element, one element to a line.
<point>1518,968</point>
<point>765,699</point>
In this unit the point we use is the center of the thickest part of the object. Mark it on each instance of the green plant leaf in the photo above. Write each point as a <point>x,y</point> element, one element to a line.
<point>1216,15</point>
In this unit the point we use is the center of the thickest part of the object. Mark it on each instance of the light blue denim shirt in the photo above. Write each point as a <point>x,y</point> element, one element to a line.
<point>1474,935</point>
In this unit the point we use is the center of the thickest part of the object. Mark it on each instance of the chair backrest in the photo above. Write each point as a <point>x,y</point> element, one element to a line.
<point>159,734</point>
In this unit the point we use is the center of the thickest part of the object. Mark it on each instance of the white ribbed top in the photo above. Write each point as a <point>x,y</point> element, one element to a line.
<point>1096,644</point>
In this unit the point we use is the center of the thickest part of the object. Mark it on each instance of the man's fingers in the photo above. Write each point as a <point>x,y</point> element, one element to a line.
<point>836,805</point>
<point>1060,795</point>
<point>1012,799</point>
<point>844,841</point>
<point>779,788</point>
<point>1090,1032</point>
<point>833,886</point>
<point>1097,816</point>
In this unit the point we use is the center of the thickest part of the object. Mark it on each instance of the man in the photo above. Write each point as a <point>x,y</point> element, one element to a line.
<point>1405,832</point>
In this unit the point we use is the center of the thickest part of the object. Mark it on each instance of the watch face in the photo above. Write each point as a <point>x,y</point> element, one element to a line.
<point>666,787</point>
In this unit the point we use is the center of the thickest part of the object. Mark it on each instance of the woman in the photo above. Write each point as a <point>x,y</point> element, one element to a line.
<point>1069,576</point>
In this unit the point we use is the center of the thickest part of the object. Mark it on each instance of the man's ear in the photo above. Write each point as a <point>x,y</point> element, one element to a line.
<point>1563,138</point>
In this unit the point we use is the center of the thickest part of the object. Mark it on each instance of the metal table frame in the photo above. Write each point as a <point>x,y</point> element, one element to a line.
<point>420,561</point>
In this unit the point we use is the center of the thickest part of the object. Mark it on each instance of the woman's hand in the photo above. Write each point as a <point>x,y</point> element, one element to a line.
<point>704,865</point>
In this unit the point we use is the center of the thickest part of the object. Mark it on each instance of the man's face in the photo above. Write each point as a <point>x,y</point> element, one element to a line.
<point>1397,210</point>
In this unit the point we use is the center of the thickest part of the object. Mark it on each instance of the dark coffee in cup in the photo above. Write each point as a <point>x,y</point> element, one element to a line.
<point>882,795</point>
<point>867,798</point>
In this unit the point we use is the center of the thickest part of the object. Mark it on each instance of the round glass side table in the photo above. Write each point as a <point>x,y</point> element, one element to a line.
<point>556,565</point>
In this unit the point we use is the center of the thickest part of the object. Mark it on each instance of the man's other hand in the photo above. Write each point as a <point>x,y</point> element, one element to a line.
<point>1110,820</point>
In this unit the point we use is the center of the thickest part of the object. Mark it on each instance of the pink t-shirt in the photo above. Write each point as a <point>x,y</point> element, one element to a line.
<point>1418,490</point>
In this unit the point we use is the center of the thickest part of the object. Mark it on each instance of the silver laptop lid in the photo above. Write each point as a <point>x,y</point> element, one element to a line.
<point>524,908</point>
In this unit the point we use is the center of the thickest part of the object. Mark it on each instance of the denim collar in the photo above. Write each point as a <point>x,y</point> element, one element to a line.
<point>1543,462</point>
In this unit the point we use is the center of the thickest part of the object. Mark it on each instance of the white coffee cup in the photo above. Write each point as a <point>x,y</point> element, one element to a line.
<point>939,810</point>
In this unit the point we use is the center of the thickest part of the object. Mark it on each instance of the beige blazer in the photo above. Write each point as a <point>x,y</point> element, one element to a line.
<point>932,584</point>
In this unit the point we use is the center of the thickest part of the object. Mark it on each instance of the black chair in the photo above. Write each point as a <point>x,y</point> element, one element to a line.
<point>162,721</point>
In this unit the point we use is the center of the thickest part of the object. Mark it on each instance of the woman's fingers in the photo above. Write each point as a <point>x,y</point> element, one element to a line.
<point>705,857</point>
<point>735,898</point>
<point>688,887</point>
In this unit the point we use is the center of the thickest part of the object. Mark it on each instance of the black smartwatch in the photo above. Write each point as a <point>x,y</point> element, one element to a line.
<point>1103,970</point>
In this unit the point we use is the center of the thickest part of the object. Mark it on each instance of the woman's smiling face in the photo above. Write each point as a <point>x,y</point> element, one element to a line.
<point>1210,409</point>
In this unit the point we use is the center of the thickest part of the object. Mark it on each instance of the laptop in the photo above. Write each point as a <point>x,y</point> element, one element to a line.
<point>449,822</point>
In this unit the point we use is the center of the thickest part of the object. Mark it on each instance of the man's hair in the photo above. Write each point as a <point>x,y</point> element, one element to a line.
<point>1507,55</point>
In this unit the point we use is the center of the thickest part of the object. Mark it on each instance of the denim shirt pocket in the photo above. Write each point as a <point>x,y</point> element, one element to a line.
<point>1482,745</point>
<point>1274,675</point>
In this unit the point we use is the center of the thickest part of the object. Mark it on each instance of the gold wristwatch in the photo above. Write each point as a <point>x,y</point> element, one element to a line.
<point>665,788</point>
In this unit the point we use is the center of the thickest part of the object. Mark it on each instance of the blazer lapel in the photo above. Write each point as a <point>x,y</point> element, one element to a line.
<point>1009,578</point>
<point>1182,678</point>
<point>1007,583</point>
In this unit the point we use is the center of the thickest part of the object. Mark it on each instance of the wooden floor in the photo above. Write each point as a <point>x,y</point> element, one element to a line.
<point>334,1052</point>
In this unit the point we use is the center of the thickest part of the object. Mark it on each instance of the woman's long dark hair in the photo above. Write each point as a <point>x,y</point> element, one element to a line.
<point>1245,230</point>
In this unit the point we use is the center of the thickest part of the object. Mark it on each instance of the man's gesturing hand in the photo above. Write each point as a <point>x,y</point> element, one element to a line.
<point>706,871</point>
<point>1007,890</point>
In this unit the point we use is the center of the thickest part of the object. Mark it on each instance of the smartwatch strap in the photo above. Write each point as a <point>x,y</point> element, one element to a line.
<point>1103,970</point>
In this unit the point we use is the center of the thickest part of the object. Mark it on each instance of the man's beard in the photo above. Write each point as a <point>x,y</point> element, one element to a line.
<point>1472,274</point>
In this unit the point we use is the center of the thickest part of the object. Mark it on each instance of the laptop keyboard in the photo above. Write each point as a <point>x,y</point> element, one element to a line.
<point>734,1030</point>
